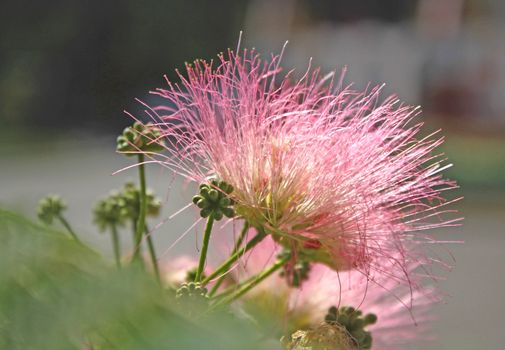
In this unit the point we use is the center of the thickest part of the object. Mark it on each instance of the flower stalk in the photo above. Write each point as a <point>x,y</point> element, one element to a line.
<point>115,245</point>
<point>152,254</point>
<point>51,208</point>
<point>225,266</point>
<point>238,243</point>
<point>67,226</point>
<point>244,288</point>
<point>205,247</point>
<point>141,221</point>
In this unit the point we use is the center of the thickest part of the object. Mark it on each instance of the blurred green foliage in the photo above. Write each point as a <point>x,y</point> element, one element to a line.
<point>58,294</point>
<point>479,161</point>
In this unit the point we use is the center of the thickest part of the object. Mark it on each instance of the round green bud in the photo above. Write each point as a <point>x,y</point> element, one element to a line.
<point>202,203</point>
<point>204,192</point>
<point>197,198</point>
<point>205,212</point>
<point>227,188</point>
<point>140,138</point>
<point>356,323</point>
<point>224,202</point>
<point>50,207</point>
<point>228,212</point>
<point>343,319</point>
<point>212,199</point>
<point>213,195</point>
<point>218,214</point>
<point>370,319</point>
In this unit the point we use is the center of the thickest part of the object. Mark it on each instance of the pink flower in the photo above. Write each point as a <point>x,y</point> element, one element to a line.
<point>335,174</point>
<point>402,313</point>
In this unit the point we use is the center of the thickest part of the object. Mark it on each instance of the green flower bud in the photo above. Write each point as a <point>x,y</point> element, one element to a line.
<point>218,214</point>
<point>224,202</point>
<point>370,319</point>
<point>213,195</point>
<point>205,212</point>
<point>228,212</point>
<point>213,200</point>
<point>202,203</point>
<point>131,197</point>
<point>50,207</point>
<point>140,138</point>
<point>197,198</point>
<point>354,322</point>
<point>109,211</point>
<point>192,298</point>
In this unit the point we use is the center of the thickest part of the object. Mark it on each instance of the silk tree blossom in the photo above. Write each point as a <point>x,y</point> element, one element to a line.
<point>341,176</point>
<point>403,313</point>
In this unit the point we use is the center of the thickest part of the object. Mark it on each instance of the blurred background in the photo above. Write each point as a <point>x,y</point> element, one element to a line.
<point>68,69</point>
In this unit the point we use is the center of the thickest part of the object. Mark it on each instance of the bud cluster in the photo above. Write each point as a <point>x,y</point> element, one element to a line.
<point>192,296</point>
<point>50,207</point>
<point>131,197</point>
<point>354,322</point>
<point>145,138</point>
<point>110,211</point>
<point>214,199</point>
<point>120,206</point>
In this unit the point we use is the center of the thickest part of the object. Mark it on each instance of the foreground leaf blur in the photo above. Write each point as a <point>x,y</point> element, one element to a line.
<point>58,294</point>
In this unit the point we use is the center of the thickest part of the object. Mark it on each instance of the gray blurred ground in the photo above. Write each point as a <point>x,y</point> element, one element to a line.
<point>81,170</point>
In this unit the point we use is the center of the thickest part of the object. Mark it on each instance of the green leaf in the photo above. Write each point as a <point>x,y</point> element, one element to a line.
<point>58,294</point>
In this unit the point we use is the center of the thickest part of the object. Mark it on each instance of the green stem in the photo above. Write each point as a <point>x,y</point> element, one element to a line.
<point>205,246</point>
<point>69,229</point>
<point>241,237</point>
<point>238,243</point>
<point>234,257</point>
<point>134,228</point>
<point>152,253</point>
<point>141,222</point>
<point>254,282</point>
<point>115,245</point>
<point>233,288</point>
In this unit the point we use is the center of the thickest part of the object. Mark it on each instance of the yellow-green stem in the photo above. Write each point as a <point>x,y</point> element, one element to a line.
<point>152,253</point>
<point>65,223</point>
<point>141,222</point>
<point>238,243</point>
<point>233,288</point>
<point>205,246</point>
<point>244,288</point>
<point>115,245</point>
<point>234,257</point>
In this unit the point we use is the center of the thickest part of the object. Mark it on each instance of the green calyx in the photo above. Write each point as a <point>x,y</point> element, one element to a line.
<point>50,208</point>
<point>214,200</point>
<point>354,322</point>
<point>140,138</point>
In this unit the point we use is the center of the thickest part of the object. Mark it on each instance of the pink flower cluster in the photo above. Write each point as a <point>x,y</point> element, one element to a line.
<point>340,177</point>
<point>337,174</point>
<point>403,314</point>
